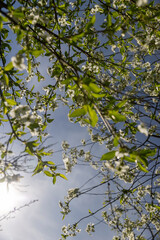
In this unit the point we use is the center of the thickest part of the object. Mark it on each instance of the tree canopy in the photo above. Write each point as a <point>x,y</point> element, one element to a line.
<point>103,62</point>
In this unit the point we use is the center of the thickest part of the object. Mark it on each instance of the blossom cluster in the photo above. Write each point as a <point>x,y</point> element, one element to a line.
<point>143,129</point>
<point>91,67</point>
<point>22,117</point>
<point>90,228</point>
<point>96,9</point>
<point>63,21</point>
<point>65,208</point>
<point>72,193</point>
<point>18,62</point>
<point>65,145</point>
<point>70,230</point>
<point>34,15</point>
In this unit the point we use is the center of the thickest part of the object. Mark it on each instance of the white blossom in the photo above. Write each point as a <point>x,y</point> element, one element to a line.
<point>90,228</point>
<point>18,62</point>
<point>88,156</point>
<point>96,9</point>
<point>70,230</point>
<point>120,154</point>
<point>72,193</point>
<point>68,165</point>
<point>20,110</point>
<point>143,129</point>
<point>63,21</point>
<point>141,3</point>
<point>65,145</point>
<point>91,67</point>
<point>72,4</point>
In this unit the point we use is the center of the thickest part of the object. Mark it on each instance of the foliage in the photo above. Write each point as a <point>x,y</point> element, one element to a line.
<point>104,57</point>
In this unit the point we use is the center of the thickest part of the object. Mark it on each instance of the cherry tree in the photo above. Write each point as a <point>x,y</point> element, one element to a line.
<point>103,59</point>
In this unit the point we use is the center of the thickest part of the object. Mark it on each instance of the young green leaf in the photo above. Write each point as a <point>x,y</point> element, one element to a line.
<point>121,104</point>
<point>54,179</point>
<point>121,199</point>
<point>89,211</point>
<point>39,168</point>
<point>93,19</point>
<point>90,23</point>
<point>6,79</point>
<point>98,95</point>
<point>109,20</point>
<point>93,116</point>
<point>108,155</point>
<point>142,168</point>
<point>37,53</point>
<point>116,116</point>
<point>8,67</point>
<point>62,176</point>
<point>78,112</point>
<point>77,37</point>
<point>48,173</point>
<point>50,163</point>
<point>116,141</point>
<point>95,88</point>
<point>11,102</point>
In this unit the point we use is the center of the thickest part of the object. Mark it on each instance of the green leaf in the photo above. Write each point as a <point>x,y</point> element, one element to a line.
<point>142,168</point>
<point>116,141</point>
<point>37,53</point>
<point>98,95</point>
<point>39,168</point>
<point>6,79</point>
<point>116,116</point>
<point>18,13</point>
<point>109,20</point>
<point>93,19</point>
<point>29,65</point>
<point>143,160</point>
<point>62,176</point>
<point>89,211</point>
<point>4,120</point>
<point>90,23</point>
<point>121,104</point>
<point>11,102</point>
<point>129,159</point>
<point>50,163</point>
<point>121,199</point>
<point>5,110</point>
<point>78,112</point>
<point>1,25</point>
<point>156,206</point>
<point>8,67</point>
<point>77,36</point>
<point>147,152</point>
<point>48,173</point>
<point>49,120</point>
<point>93,116</point>
<point>30,147</point>
<point>95,88</point>
<point>86,87</point>
<point>54,179</point>
<point>18,93</point>
<point>108,155</point>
